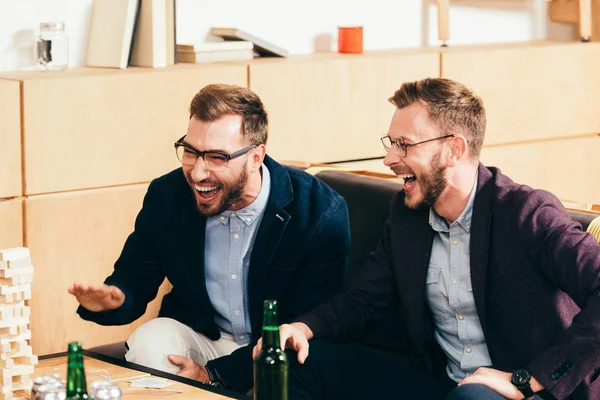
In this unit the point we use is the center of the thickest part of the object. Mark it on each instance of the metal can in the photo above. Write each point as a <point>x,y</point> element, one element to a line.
<point>53,390</point>
<point>40,381</point>
<point>105,390</point>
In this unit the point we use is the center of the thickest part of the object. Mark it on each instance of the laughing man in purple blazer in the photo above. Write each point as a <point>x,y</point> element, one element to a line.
<point>498,289</point>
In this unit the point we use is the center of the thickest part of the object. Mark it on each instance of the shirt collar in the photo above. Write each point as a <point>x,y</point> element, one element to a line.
<point>439,224</point>
<point>249,213</point>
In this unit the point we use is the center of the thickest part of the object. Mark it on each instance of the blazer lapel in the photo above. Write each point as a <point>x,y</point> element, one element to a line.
<point>194,232</point>
<point>271,229</point>
<point>480,240</point>
<point>414,251</point>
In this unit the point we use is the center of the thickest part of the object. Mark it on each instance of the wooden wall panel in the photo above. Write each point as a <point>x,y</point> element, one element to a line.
<point>11,223</point>
<point>330,109</point>
<point>77,236</point>
<point>10,139</point>
<point>94,129</point>
<point>569,168</point>
<point>532,91</point>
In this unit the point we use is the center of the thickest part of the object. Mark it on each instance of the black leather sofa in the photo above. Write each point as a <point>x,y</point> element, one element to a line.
<point>368,201</point>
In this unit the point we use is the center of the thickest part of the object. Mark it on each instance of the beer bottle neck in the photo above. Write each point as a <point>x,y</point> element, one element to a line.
<point>76,383</point>
<point>270,326</point>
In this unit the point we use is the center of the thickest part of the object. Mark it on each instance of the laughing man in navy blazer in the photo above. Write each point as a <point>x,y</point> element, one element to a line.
<point>228,229</point>
<point>497,288</point>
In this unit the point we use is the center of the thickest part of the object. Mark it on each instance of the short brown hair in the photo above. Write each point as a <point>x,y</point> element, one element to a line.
<point>450,104</point>
<point>218,100</point>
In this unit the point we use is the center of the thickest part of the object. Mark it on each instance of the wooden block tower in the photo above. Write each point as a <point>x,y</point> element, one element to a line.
<point>16,357</point>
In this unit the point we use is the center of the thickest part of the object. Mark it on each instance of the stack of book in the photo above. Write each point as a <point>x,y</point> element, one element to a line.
<point>203,52</point>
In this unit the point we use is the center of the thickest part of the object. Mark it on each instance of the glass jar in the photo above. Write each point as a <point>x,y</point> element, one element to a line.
<point>52,46</point>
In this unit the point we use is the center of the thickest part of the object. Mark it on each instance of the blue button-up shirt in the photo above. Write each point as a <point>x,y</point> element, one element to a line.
<point>450,298</point>
<point>228,247</point>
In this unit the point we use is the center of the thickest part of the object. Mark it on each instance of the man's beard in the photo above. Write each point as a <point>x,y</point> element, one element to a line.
<point>230,194</point>
<point>432,184</point>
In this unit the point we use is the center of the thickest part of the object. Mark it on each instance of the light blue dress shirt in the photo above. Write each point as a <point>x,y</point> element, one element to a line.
<point>450,298</point>
<point>228,247</point>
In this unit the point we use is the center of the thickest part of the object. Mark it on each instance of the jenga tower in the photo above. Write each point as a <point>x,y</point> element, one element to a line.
<point>16,357</point>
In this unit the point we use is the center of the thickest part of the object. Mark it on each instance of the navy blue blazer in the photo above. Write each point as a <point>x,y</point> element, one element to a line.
<point>536,282</point>
<point>299,259</point>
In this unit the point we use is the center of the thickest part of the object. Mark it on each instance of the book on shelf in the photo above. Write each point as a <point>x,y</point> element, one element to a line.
<point>261,46</point>
<point>112,29</point>
<point>215,46</point>
<point>214,56</point>
<point>154,42</point>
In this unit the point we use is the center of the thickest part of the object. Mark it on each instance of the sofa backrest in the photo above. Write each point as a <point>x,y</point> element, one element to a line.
<point>368,200</point>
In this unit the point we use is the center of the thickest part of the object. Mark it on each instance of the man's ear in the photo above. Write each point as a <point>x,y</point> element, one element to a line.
<point>458,149</point>
<point>257,156</point>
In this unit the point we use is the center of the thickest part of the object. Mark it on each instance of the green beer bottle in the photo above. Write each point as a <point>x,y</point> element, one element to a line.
<point>76,386</point>
<point>271,365</point>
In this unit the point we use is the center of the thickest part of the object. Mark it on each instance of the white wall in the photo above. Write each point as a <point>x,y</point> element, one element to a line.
<point>300,26</point>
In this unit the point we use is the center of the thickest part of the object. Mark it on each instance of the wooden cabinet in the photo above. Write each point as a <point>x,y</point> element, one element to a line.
<point>77,236</point>
<point>569,167</point>
<point>11,223</point>
<point>97,127</point>
<point>333,107</point>
<point>532,91</point>
<point>10,139</point>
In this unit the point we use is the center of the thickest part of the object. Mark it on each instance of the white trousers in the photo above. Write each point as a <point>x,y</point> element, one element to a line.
<point>151,342</point>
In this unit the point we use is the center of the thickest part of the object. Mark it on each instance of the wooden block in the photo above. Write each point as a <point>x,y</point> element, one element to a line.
<point>76,237</point>
<point>29,359</point>
<point>9,273</point>
<point>10,142</point>
<point>342,101</point>
<point>4,289</point>
<point>7,339</point>
<point>16,395</point>
<point>14,310</point>
<point>547,90</point>
<point>125,134</point>
<point>14,253</point>
<point>7,374</point>
<point>18,263</point>
<point>14,322</point>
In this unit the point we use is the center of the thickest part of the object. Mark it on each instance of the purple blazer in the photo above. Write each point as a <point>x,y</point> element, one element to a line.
<point>535,277</point>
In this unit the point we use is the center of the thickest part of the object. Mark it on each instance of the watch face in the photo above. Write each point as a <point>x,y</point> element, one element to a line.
<point>520,377</point>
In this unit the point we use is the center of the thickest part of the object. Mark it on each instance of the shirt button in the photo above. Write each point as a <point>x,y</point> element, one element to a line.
<point>461,317</point>
<point>222,218</point>
<point>233,214</point>
<point>468,349</point>
<point>236,236</point>
<point>455,242</point>
<point>454,281</point>
<point>237,312</point>
<point>468,226</point>
<point>242,336</point>
<point>233,276</point>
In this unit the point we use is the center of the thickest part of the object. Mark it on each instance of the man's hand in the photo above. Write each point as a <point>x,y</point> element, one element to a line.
<point>188,368</point>
<point>97,296</point>
<point>499,382</point>
<point>293,336</point>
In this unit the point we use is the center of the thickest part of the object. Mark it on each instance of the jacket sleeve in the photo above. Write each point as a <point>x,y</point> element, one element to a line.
<point>368,295</point>
<point>319,277</point>
<point>138,273</point>
<point>570,258</point>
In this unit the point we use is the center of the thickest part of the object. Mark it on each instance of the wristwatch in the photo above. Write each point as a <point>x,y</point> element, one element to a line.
<point>214,379</point>
<point>520,378</point>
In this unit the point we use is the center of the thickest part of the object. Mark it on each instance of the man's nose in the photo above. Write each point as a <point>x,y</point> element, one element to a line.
<point>200,172</point>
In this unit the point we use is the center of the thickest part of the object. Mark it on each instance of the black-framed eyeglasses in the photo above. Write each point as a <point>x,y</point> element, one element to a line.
<point>214,160</point>
<point>402,146</point>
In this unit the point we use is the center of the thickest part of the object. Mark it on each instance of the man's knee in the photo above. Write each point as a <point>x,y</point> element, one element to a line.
<point>151,342</point>
<point>473,391</point>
